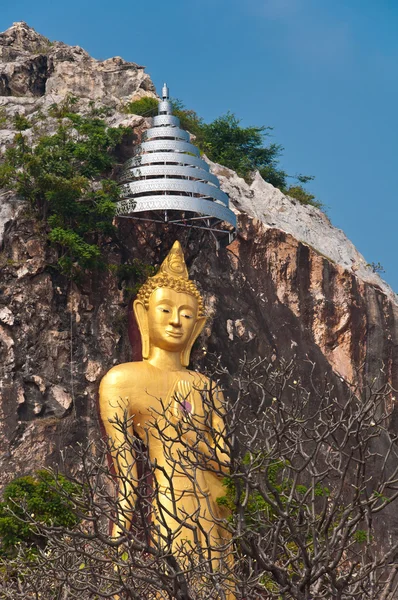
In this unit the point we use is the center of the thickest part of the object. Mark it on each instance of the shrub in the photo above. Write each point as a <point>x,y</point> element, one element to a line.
<point>304,197</point>
<point>146,107</point>
<point>376,267</point>
<point>190,121</point>
<point>46,498</point>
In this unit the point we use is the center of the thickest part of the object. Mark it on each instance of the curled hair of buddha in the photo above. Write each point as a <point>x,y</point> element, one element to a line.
<point>179,285</point>
<point>173,274</point>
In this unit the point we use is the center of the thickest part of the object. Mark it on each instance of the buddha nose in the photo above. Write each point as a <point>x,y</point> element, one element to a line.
<point>175,319</point>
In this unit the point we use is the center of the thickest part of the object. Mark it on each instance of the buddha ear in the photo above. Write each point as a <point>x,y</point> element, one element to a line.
<point>197,330</point>
<point>141,315</point>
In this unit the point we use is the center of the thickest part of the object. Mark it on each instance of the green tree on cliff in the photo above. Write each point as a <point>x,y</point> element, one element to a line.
<point>65,178</point>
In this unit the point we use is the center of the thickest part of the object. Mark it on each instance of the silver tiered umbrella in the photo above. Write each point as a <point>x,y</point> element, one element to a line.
<point>167,181</point>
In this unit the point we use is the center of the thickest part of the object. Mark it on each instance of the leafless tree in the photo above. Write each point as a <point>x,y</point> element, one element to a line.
<point>306,474</point>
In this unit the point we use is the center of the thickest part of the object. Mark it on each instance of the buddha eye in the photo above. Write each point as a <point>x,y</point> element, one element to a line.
<point>165,310</point>
<point>187,316</point>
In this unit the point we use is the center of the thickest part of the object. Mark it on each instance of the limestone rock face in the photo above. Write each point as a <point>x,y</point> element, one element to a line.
<point>267,294</point>
<point>291,285</point>
<point>32,67</point>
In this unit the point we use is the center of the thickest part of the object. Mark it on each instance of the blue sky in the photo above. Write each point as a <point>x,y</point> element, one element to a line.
<point>323,73</point>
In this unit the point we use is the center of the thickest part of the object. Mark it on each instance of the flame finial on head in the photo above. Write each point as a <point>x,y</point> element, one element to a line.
<point>174,263</point>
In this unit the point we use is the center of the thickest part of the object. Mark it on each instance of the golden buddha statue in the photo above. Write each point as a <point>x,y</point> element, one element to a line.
<point>164,402</point>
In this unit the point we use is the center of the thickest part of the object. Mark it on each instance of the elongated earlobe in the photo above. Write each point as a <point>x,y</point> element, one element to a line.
<point>186,353</point>
<point>141,316</point>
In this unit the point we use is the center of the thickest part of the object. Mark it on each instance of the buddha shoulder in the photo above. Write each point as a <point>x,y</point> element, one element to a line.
<point>123,375</point>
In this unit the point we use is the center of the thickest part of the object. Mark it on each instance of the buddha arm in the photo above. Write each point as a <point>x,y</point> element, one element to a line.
<point>115,415</point>
<point>210,443</point>
<point>216,448</point>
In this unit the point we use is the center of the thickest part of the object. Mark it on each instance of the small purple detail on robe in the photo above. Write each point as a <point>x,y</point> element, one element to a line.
<point>187,406</point>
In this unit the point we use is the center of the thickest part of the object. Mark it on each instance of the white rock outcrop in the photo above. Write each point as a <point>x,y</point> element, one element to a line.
<point>307,224</point>
<point>33,67</point>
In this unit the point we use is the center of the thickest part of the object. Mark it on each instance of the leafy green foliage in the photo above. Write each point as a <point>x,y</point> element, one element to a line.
<point>360,536</point>
<point>133,274</point>
<point>256,505</point>
<point>3,116</point>
<point>239,148</point>
<point>281,488</point>
<point>304,197</point>
<point>146,107</point>
<point>242,149</point>
<point>56,176</point>
<point>88,255</point>
<point>21,122</point>
<point>44,497</point>
<point>190,121</point>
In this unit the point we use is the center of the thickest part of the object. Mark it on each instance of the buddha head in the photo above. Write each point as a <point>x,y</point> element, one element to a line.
<point>169,309</point>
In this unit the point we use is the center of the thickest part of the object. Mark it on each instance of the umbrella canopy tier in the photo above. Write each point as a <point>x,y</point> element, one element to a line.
<point>164,131</point>
<point>166,158</point>
<point>196,206</point>
<point>171,145</point>
<point>165,120</point>
<point>171,186</point>
<point>149,171</point>
<point>165,107</point>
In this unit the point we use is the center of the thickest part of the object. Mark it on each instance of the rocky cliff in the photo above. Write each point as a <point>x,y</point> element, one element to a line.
<point>290,285</point>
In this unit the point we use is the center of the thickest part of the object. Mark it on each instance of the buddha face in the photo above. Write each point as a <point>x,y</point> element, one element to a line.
<point>171,319</point>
